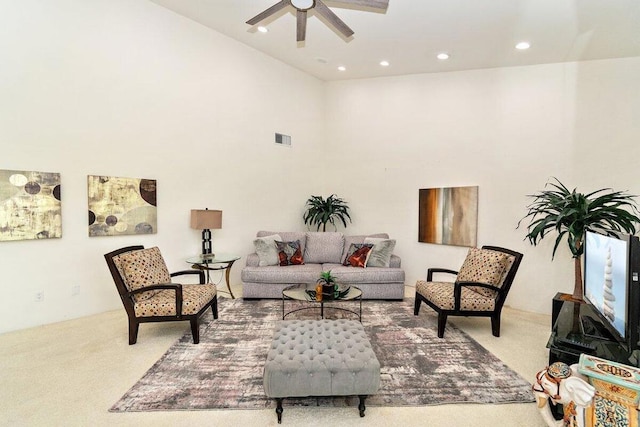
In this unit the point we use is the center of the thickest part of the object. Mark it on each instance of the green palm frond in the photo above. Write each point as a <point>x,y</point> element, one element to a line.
<point>570,214</point>
<point>321,211</point>
<point>327,278</point>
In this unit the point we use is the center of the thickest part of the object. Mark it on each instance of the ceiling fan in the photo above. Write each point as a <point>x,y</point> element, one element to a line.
<point>303,6</point>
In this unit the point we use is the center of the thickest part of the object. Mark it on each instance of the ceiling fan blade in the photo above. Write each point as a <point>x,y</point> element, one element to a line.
<point>268,12</point>
<point>301,31</point>
<point>373,4</point>
<point>333,19</point>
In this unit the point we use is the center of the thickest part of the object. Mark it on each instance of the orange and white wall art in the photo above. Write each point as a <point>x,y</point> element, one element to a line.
<point>448,216</point>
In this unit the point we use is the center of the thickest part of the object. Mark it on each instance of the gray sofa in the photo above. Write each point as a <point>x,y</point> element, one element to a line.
<point>322,251</point>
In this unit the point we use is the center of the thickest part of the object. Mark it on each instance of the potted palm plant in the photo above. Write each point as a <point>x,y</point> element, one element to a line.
<point>321,211</point>
<point>570,214</point>
<point>328,285</point>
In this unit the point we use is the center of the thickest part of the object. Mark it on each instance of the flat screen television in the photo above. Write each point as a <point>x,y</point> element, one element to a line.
<point>611,268</point>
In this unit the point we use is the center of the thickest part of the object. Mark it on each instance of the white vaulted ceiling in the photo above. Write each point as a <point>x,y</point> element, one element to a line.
<point>475,33</point>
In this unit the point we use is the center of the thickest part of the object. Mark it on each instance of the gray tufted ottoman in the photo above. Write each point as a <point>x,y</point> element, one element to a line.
<point>320,358</point>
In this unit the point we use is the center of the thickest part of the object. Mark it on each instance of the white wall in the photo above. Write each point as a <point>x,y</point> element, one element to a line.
<point>507,131</point>
<point>127,88</point>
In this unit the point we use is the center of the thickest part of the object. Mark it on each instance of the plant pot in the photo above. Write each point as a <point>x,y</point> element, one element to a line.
<point>328,292</point>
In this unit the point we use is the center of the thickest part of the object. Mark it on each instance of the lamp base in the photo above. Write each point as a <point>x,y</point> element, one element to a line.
<point>206,242</point>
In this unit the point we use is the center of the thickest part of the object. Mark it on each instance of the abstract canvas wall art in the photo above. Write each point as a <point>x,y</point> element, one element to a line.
<point>120,206</point>
<point>30,205</point>
<point>448,216</point>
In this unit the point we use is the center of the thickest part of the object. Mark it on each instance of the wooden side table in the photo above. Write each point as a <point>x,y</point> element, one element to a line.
<point>215,262</point>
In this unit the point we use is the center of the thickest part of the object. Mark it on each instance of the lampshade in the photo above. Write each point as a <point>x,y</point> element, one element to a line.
<point>206,219</point>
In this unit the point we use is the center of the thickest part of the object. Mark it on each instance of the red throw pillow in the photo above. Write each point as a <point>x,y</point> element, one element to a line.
<point>358,254</point>
<point>289,253</point>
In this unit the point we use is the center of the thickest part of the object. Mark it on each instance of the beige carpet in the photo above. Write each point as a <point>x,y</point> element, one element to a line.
<point>70,373</point>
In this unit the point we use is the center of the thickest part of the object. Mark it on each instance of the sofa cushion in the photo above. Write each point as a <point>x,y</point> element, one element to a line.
<point>267,250</point>
<point>194,297</point>
<point>348,240</point>
<point>350,275</point>
<point>289,253</point>
<point>323,247</point>
<point>287,236</point>
<point>306,273</point>
<point>441,294</point>
<point>358,254</point>
<point>381,251</point>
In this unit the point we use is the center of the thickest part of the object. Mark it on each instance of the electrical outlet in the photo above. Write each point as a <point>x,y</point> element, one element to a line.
<point>75,290</point>
<point>39,296</point>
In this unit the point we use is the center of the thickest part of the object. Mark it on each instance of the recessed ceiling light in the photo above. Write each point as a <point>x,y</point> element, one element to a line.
<point>523,46</point>
<point>443,56</point>
<point>384,63</point>
<point>263,29</point>
<point>342,68</point>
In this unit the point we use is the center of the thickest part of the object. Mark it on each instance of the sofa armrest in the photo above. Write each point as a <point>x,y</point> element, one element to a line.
<point>253,260</point>
<point>395,261</point>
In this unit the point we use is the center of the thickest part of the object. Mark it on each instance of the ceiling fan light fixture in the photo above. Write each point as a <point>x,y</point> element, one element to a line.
<point>303,4</point>
<point>321,10</point>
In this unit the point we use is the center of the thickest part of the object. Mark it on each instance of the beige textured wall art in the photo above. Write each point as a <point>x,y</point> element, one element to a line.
<point>120,206</point>
<point>30,205</point>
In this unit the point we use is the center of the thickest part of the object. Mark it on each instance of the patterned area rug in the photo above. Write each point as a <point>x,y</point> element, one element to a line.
<point>417,367</point>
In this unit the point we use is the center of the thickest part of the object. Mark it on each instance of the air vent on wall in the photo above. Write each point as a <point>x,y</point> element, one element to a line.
<point>283,139</point>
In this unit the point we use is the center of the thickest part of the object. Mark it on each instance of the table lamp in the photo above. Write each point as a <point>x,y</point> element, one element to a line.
<point>206,220</point>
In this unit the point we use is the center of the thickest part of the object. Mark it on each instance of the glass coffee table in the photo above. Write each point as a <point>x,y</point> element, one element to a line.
<point>305,292</point>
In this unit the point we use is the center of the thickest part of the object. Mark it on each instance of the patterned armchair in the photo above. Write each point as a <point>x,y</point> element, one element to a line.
<point>480,288</point>
<point>146,291</point>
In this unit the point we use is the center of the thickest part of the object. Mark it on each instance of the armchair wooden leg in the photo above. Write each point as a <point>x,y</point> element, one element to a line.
<point>214,307</point>
<point>416,307</point>
<point>279,409</point>
<point>361,406</point>
<point>495,325</point>
<point>442,322</point>
<point>133,331</point>
<point>195,330</point>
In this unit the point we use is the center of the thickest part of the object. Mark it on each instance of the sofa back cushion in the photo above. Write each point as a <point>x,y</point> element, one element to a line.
<point>324,247</point>
<point>287,236</point>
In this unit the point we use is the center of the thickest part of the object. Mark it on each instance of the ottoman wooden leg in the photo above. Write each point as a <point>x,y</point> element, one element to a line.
<point>279,409</point>
<point>361,405</point>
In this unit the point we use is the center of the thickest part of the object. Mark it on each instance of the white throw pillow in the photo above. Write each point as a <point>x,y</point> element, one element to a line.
<point>267,250</point>
<point>380,255</point>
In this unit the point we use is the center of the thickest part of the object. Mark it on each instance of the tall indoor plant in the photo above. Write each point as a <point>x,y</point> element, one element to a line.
<point>570,214</point>
<point>321,211</point>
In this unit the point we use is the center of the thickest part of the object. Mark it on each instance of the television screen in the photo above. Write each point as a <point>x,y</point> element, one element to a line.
<point>605,278</point>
